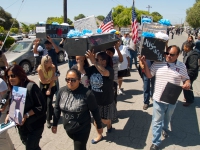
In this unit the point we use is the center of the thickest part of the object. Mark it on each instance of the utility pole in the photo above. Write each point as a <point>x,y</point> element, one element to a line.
<point>149,8</point>
<point>65,10</point>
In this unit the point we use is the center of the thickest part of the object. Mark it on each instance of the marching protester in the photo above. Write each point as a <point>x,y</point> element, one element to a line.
<point>123,67</point>
<point>46,71</point>
<point>197,48</point>
<point>189,39</point>
<point>191,61</point>
<point>101,77</point>
<point>172,71</point>
<point>125,39</point>
<point>5,141</point>
<point>116,60</point>
<point>76,102</point>
<point>133,52</point>
<point>37,52</point>
<point>32,126</point>
<point>3,61</point>
<point>81,60</point>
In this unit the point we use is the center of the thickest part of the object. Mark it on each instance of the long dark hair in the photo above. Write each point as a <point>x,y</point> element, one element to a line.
<point>19,72</point>
<point>106,57</point>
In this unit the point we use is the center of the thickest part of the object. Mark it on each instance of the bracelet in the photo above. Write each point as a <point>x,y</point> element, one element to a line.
<point>27,114</point>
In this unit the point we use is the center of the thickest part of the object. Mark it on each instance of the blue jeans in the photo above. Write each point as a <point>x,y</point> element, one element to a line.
<point>71,62</point>
<point>133,56</point>
<point>160,120</point>
<point>148,87</point>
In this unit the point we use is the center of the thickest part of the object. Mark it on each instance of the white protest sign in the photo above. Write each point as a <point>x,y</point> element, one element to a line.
<point>88,23</point>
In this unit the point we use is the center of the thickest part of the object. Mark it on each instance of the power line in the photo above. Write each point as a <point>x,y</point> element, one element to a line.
<point>11,5</point>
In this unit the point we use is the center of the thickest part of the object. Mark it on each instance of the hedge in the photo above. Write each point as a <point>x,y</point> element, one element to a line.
<point>9,41</point>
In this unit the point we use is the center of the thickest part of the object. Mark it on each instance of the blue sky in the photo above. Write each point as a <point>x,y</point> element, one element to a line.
<point>33,11</point>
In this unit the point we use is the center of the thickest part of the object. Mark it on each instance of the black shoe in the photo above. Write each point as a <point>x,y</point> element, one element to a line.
<point>164,134</point>
<point>146,106</point>
<point>154,147</point>
<point>48,124</point>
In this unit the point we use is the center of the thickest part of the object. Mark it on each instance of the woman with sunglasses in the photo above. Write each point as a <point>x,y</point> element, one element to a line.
<point>47,78</point>
<point>76,102</point>
<point>101,76</point>
<point>32,126</point>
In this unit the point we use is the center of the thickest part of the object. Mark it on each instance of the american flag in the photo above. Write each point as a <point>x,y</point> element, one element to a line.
<point>107,23</point>
<point>134,25</point>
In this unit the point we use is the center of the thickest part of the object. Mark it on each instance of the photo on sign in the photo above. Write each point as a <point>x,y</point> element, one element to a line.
<point>88,23</point>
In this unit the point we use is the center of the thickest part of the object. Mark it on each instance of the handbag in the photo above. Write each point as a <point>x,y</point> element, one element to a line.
<point>127,72</point>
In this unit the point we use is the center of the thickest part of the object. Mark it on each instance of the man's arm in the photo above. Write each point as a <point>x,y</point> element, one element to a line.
<point>117,45</point>
<point>146,68</point>
<point>53,44</point>
<point>186,85</point>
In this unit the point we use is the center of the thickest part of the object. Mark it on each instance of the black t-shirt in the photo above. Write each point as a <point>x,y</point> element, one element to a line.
<point>101,86</point>
<point>53,55</point>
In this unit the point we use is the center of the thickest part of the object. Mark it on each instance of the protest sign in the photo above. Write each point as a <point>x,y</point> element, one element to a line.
<point>154,28</point>
<point>88,23</point>
<point>54,31</point>
<point>146,16</point>
<point>16,110</point>
<point>152,48</point>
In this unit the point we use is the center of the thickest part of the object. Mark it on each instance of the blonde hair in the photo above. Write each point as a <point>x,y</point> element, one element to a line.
<point>44,60</point>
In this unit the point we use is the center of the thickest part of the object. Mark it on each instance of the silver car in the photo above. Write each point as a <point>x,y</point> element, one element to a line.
<point>21,53</point>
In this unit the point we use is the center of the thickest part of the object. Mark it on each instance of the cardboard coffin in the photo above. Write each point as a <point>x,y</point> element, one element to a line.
<point>79,45</point>
<point>54,31</point>
<point>152,48</point>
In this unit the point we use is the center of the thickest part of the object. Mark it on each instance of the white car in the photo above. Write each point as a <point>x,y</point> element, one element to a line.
<point>32,36</point>
<point>16,37</point>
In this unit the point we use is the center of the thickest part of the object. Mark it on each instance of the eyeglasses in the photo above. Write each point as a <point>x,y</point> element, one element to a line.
<point>12,76</point>
<point>73,80</point>
<point>172,55</point>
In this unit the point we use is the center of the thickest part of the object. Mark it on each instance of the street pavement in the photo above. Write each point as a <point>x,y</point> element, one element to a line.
<point>133,130</point>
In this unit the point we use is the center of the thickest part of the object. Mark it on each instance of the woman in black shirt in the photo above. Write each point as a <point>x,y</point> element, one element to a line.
<point>101,76</point>
<point>32,126</point>
<point>76,102</point>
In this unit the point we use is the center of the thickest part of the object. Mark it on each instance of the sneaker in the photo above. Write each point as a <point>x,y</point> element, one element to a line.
<point>120,92</point>
<point>164,134</point>
<point>154,147</point>
<point>146,106</point>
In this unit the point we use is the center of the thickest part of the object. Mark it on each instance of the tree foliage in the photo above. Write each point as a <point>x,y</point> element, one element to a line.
<point>156,16</point>
<point>58,19</point>
<point>2,29</point>
<point>193,15</point>
<point>80,16</point>
<point>8,20</point>
<point>14,30</point>
<point>25,27</point>
<point>100,17</point>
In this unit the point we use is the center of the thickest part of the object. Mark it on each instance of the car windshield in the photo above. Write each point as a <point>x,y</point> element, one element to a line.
<point>20,46</point>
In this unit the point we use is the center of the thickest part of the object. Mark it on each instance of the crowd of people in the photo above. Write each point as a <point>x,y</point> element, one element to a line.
<point>93,82</point>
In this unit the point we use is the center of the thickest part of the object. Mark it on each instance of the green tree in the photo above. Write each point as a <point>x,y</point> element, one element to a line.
<point>8,20</point>
<point>193,15</point>
<point>58,19</point>
<point>80,16</point>
<point>156,16</point>
<point>32,26</point>
<point>14,30</point>
<point>100,17</point>
<point>25,28</point>
<point>2,29</point>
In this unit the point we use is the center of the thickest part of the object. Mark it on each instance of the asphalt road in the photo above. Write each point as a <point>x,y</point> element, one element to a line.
<point>133,130</point>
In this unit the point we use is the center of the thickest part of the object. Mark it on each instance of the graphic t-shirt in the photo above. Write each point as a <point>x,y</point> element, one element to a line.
<point>101,86</point>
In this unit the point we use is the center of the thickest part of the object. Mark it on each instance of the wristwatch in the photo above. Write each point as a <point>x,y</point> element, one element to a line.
<point>27,114</point>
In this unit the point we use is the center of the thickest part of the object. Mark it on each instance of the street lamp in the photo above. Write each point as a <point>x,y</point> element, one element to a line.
<point>65,10</point>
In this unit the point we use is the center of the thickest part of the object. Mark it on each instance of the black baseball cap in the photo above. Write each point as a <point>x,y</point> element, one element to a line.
<point>47,42</point>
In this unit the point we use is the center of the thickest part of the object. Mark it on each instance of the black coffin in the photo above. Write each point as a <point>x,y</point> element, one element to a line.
<point>152,48</point>
<point>78,46</point>
<point>54,31</point>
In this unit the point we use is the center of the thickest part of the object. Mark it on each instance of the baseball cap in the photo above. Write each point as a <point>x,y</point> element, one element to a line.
<point>117,32</point>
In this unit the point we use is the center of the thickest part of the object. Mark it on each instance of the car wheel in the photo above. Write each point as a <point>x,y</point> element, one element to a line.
<point>26,66</point>
<point>61,57</point>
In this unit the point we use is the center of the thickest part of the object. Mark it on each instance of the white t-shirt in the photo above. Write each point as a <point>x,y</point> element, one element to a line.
<point>125,53</point>
<point>39,49</point>
<point>125,40</point>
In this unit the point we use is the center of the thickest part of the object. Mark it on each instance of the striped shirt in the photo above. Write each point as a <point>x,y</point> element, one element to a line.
<point>167,72</point>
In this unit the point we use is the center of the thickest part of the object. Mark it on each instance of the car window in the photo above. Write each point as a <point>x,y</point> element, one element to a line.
<point>20,46</point>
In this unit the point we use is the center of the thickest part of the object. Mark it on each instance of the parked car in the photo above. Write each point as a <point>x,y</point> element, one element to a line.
<point>16,37</point>
<point>21,53</point>
<point>31,36</point>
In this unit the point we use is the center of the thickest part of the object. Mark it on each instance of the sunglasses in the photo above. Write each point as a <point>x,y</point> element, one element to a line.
<point>172,55</point>
<point>73,80</point>
<point>12,76</point>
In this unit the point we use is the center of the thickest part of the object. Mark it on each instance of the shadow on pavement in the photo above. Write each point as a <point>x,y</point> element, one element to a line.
<point>128,94</point>
<point>134,134</point>
<point>129,80</point>
<point>184,126</point>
